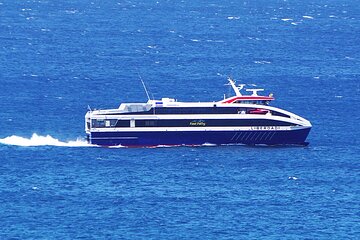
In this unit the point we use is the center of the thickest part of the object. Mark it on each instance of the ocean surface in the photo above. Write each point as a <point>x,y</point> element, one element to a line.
<point>58,57</point>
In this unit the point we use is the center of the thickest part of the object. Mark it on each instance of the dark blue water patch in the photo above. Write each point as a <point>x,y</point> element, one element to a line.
<point>57,58</point>
<point>196,193</point>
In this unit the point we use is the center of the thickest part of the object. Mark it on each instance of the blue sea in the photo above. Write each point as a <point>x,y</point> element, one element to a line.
<point>59,57</point>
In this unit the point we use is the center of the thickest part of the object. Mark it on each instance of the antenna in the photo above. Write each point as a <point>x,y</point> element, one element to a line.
<point>146,91</point>
<point>235,88</point>
<point>255,91</point>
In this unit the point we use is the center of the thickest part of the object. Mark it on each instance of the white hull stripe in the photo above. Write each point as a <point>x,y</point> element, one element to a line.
<point>121,138</point>
<point>199,129</point>
<point>204,116</point>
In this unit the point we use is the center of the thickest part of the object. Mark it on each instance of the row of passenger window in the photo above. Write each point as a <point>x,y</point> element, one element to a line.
<point>201,110</point>
<point>187,123</point>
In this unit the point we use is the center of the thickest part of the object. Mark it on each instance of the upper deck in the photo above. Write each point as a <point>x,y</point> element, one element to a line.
<point>253,98</point>
<point>173,106</point>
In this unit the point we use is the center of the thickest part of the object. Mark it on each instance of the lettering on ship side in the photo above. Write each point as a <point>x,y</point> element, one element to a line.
<point>265,128</point>
<point>198,123</point>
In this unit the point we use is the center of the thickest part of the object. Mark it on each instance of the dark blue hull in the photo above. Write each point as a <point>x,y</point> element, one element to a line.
<point>199,137</point>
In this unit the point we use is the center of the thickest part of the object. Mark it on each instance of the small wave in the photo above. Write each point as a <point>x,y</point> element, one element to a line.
<point>47,140</point>
<point>254,38</point>
<point>262,62</point>
<point>215,41</point>
<point>71,11</point>
<point>308,17</point>
<point>293,178</point>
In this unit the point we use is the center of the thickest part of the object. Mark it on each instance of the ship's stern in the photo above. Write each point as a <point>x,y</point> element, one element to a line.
<point>88,126</point>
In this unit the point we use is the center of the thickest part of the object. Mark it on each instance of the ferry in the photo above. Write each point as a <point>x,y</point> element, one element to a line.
<point>240,119</point>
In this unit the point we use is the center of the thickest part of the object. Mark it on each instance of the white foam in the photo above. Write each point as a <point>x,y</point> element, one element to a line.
<point>47,140</point>
<point>233,17</point>
<point>215,41</point>
<point>286,19</point>
<point>262,62</point>
<point>209,145</point>
<point>163,146</point>
<point>117,146</point>
<point>72,11</point>
<point>293,178</point>
<point>308,17</point>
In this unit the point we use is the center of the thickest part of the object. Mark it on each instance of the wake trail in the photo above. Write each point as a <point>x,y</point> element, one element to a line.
<point>37,140</point>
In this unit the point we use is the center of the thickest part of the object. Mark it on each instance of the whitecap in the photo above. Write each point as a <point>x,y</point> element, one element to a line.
<point>262,62</point>
<point>293,178</point>
<point>72,11</point>
<point>47,140</point>
<point>254,38</point>
<point>308,17</point>
<point>215,41</point>
<point>286,19</point>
